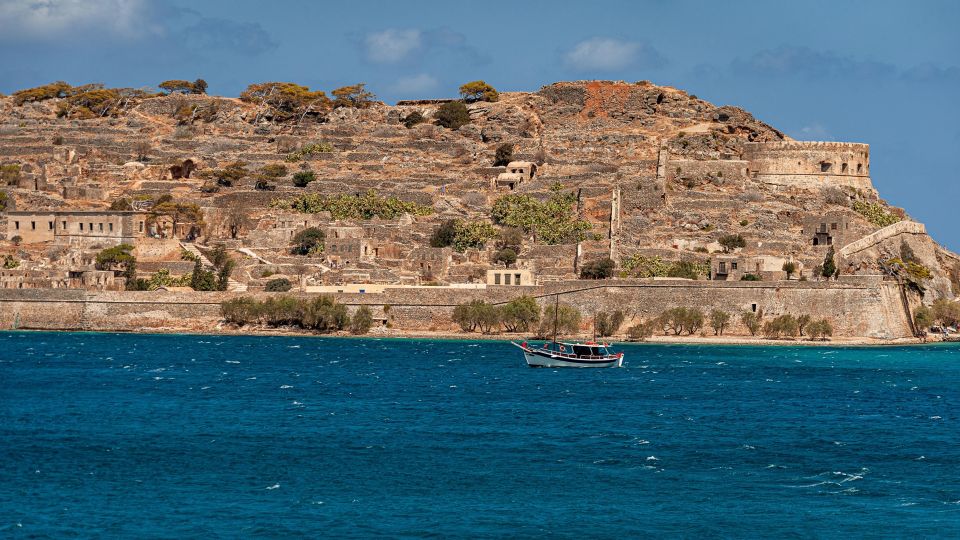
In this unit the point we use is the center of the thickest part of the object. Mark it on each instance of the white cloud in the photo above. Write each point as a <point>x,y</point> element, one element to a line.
<point>608,54</point>
<point>415,86</point>
<point>392,45</point>
<point>41,19</point>
<point>814,132</point>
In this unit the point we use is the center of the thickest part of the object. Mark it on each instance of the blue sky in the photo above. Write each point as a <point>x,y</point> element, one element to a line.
<point>885,73</point>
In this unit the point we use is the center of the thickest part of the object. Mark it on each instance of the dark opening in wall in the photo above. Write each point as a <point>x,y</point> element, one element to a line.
<point>825,166</point>
<point>843,168</point>
<point>859,167</point>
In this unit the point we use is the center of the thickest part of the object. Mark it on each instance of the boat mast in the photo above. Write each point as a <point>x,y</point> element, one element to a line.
<point>556,317</point>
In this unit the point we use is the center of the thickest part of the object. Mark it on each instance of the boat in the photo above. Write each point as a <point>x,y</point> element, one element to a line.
<point>568,354</point>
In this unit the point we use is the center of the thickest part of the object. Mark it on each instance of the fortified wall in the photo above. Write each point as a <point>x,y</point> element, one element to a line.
<point>809,164</point>
<point>862,306</point>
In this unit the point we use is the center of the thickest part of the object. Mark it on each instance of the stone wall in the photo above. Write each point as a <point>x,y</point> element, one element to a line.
<point>809,164</point>
<point>865,306</point>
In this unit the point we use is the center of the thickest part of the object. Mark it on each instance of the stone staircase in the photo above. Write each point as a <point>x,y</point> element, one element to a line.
<point>232,284</point>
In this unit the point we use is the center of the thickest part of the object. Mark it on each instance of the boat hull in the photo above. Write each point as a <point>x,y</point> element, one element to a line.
<point>546,359</point>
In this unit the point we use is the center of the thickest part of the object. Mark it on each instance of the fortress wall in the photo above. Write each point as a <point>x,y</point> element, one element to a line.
<point>901,227</point>
<point>809,164</point>
<point>865,306</point>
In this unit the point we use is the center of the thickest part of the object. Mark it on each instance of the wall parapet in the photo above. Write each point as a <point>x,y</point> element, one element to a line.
<point>804,145</point>
<point>900,227</point>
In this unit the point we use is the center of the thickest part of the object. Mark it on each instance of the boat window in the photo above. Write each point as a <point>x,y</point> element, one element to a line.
<point>581,350</point>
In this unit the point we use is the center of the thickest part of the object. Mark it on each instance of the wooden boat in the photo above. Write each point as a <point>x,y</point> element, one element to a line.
<point>570,354</point>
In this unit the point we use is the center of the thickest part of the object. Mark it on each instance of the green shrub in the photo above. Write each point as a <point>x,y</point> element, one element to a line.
<point>719,320</point>
<point>241,311</point>
<point>598,269</point>
<point>476,315</point>
<point>362,321</point>
<point>4,198</point>
<point>278,285</point>
<point>344,206</point>
<point>504,155</point>
<point>507,256</point>
<point>413,119</point>
<point>472,234</point>
<point>730,242</point>
<point>565,318</point>
<point>876,213</point>
<point>309,151</point>
<point>9,262</point>
<point>553,221</point>
<point>641,331</point>
<point>752,321</point>
<point>479,91</point>
<point>751,277</point>
<point>273,170</point>
<point>302,178</point>
<point>452,115</point>
<point>820,329</point>
<point>444,235</point>
<point>520,314</point>
<point>829,267</point>
<point>308,241</point>
<point>680,319</point>
<point>790,268</point>
<point>606,324</point>
<point>286,100</point>
<point>785,325</point>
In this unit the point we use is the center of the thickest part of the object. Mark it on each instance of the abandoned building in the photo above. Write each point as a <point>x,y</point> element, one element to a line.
<point>510,276</point>
<point>517,172</point>
<point>828,230</point>
<point>78,227</point>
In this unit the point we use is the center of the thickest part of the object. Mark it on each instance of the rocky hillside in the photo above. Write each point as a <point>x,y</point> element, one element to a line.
<point>653,171</point>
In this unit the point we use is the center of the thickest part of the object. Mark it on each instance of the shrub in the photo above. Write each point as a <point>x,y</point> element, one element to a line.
<point>355,96</point>
<point>302,178</point>
<point>263,184</point>
<point>4,198</point>
<point>413,119</point>
<point>687,269</point>
<point>946,312</point>
<point>344,206</point>
<point>520,314</point>
<point>444,235</point>
<point>751,277</point>
<point>273,170</point>
<point>553,221</point>
<point>478,91</point>
<point>679,319</point>
<point>17,239</point>
<point>645,267</point>
<point>309,151</point>
<point>730,242</point>
<point>324,314</point>
<point>9,261</point>
<point>598,269</point>
<point>504,155</point>
<point>121,204</point>
<point>876,213</point>
<point>790,268</point>
<point>472,234</point>
<point>802,322</point>
<point>719,321</point>
<point>829,267</point>
<point>821,329</point>
<point>565,318</point>
<point>10,174</point>
<point>835,196</point>
<point>308,241</point>
<point>607,325</point>
<point>475,315</point>
<point>783,325</point>
<point>752,321</point>
<point>240,311</point>
<point>452,115</point>
<point>507,256</point>
<point>278,285</point>
<point>511,237</point>
<point>362,321</point>
<point>923,318</point>
<point>286,100</point>
<point>641,331</point>
<point>57,89</point>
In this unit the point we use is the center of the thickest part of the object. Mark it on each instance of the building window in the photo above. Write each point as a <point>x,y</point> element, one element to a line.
<point>111,227</point>
<point>16,225</point>
<point>723,268</point>
<point>859,168</point>
<point>843,167</point>
<point>506,279</point>
<point>64,226</point>
<point>516,279</point>
<point>753,307</point>
<point>50,225</point>
<point>101,227</point>
<point>81,227</point>
<point>496,279</point>
<point>91,227</point>
<point>141,226</point>
<point>733,266</point>
<point>825,166</point>
<point>833,226</point>
<point>33,225</point>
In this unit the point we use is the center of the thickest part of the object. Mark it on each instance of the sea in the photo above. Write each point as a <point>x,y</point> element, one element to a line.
<point>202,436</point>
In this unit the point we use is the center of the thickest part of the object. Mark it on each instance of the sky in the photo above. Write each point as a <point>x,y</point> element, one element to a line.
<point>879,72</point>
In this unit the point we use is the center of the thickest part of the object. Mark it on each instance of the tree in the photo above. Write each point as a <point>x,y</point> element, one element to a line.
<point>57,89</point>
<point>479,91</point>
<point>790,268</point>
<point>362,321</point>
<point>511,237</point>
<point>286,100</point>
<point>520,314</point>
<point>923,318</point>
<point>472,234</point>
<point>553,221</point>
<point>820,329</point>
<point>202,279</point>
<point>278,285</point>
<point>308,241</point>
<point>355,96</point>
<point>199,87</point>
<point>598,269</point>
<point>476,314</point>
<point>752,321</point>
<point>178,86</point>
<point>783,325</point>
<point>947,313</point>
<point>452,115</point>
<point>608,324</point>
<point>829,268</point>
<point>324,314</point>
<point>730,242</point>
<point>121,204</point>
<point>802,322</point>
<point>565,318</point>
<point>444,235</point>
<point>504,155</point>
<point>240,311</point>
<point>641,331</point>
<point>302,178</point>
<point>719,321</point>
<point>507,256</point>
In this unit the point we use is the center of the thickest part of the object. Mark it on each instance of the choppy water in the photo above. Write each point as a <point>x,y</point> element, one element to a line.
<point>203,436</point>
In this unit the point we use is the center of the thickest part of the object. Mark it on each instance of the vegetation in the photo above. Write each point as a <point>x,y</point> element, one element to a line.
<point>17,239</point>
<point>479,91</point>
<point>355,96</point>
<point>598,269</point>
<point>476,314</point>
<point>790,268</point>
<point>641,331</point>
<point>362,321</point>
<point>719,320</point>
<point>322,314</point>
<point>452,115</point>
<point>278,285</point>
<point>53,90</point>
<point>302,178</point>
<point>606,324</point>
<point>730,242</point>
<point>947,313</point>
<point>285,100</point>
<point>752,321</point>
<point>785,325</point>
<point>227,176</point>
<point>751,277</point>
<point>308,151</point>
<point>344,206</point>
<point>520,314</point>
<point>198,86</point>
<point>829,267</point>
<point>565,318</point>
<point>463,235</point>
<point>9,174</point>
<point>820,329</point>
<point>552,221</point>
<point>803,321</point>
<point>308,241</point>
<point>923,318</point>
<point>504,155</point>
<point>9,262</point>
<point>218,277</point>
<point>506,256</point>
<point>876,213</point>
<point>681,319</point>
<point>95,101</point>
<point>4,198</point>
<point>413,119</point>
<point>642,266</point>
<point>444,235</point>
<point>121,261</point>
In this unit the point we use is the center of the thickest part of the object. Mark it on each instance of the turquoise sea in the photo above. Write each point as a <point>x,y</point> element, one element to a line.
<point>187,436</point>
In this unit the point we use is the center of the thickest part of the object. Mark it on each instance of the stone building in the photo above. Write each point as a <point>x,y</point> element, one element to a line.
<point>808,164</point>
<point>734,266</point>
<point>831,229</point>
<point>510,276</point>
<point>77,227</point>
<point>350,250</point>
<point>429,262</point>
<point>517,172</point>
